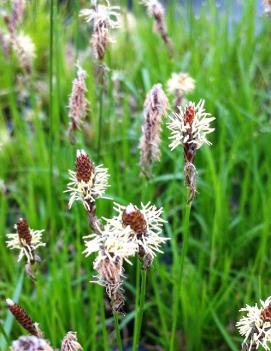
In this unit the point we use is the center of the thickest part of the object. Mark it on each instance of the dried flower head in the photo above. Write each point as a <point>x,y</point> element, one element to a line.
<point>5,43</point>
<point>88,182</point>
<point>267,6</point>
<point>144,226</point>
<point>180,84</point>
<point>16,16</point>
<point>77,102</point>
<point>26,240</point>
<point>25,49</point>
<point>30,343</point>
<point>155,107</point>
<point>157,11</point>
<point>70,343</point>
<point>189,128</point>
<point>255,327</point>
<point>103,18</point>
<point>114,246</point>
<point>23,318</point>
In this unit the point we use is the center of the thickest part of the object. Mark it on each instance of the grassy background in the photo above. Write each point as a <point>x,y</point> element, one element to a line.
<point>228,261</point>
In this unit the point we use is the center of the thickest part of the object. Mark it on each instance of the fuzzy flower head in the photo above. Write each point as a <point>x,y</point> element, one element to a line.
<point>255,327</point>
<point>77,102</point>
<point>30,343</point>
<point>180,84</point>
<point>26,240</point>
<point>114,246</point>
<point>267,6</point>
<point>154,8</point>
<point>190,126</point>
<point>155,107</point>
<point>70,343</point>
<point>145,228</point>
<point>103,18</point>
<point>157,11</point>
<point>100,15</point>
<point>25,50</point>
<point>88,182</point>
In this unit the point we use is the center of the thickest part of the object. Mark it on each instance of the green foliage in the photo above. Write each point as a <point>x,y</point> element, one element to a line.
<point>227,263</point>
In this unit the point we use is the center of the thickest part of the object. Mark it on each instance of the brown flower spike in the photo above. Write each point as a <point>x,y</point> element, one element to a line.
<point>78,103</point>
<point>23,318</point>
<point>155,107</point>
<point>157,11</point>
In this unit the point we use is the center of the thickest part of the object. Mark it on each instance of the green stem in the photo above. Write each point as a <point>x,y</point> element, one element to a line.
<point>103,321</point>
<point>100,122</point>
<point>137,296</point>
<point>140,310</point>
<point>179,276</point>
<point>117,331</point>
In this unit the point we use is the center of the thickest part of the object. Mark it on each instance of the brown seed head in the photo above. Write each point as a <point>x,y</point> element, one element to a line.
<point>22,318</point>
<point>266,314</point>
<point>84,167</point>
<point>24,231</point>
<point>135,219</point>
<point>189,115</point>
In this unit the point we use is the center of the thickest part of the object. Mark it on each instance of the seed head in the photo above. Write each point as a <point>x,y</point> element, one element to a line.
<point>156,105</point>
<point>157,11</point>
<point>114,246</point>
<point>84,167</point>
<point>267,6</point>
<point>26,240</point>
<point>77,102</point>
<point>24,48</point>
<point>135,219</point>
<point>190,126</point>
<point>30,343</point>
<point>24,231</point>
<point>103,18</point>
<point>70,343</point>
<point>255,327</point>
<point>180,84</point>
<point>144,226</point>
<point>23,318</point>
<point>88,182</point>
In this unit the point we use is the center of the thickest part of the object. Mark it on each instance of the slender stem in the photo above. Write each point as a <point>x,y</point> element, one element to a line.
<point>179,275</point>
<point>136,302</point>
<point>117,331</point>
<point>140,310</point>
<point>103,321</point>
<point>101,93</point>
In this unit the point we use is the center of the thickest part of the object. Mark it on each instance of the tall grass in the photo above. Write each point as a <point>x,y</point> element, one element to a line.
<point>227,260</point>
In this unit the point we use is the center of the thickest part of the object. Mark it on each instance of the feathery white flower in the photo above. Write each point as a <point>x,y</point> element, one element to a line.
<point>88,182</point>
<point>25,50</point>
<point>114,241</point>
<point>70,343</point>
<point>154,8</point>
<point>255,327</point>
<point>267,6</point>
<point>113,245</point>
<point>26,240</point>
<point>30,343</point>
<point>180,84</point>
<point>101,15</point>
<point>145,226</point>
<point>190,126</point>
